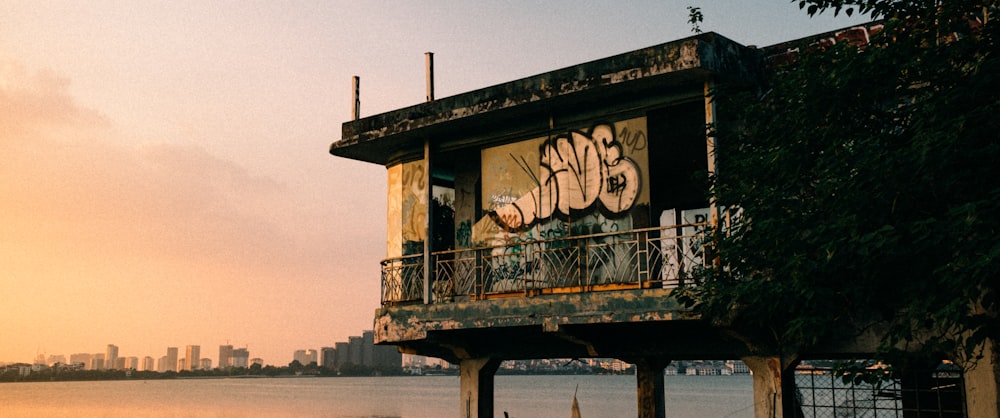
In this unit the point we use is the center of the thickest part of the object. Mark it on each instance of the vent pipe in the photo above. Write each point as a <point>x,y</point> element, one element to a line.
<point>430,75</point>
<point>357,98</point>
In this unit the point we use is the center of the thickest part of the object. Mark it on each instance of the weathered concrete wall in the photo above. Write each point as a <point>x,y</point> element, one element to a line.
<point>406,223</point>
<point>403,323</point>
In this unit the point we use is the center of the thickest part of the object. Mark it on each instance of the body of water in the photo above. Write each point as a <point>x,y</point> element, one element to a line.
<point>362,397</point>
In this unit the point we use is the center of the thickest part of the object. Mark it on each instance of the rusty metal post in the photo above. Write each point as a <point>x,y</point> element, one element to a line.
<point>429,58</point>
<point>429,226</point>
<point>428,180</point>
<point>357,98</point>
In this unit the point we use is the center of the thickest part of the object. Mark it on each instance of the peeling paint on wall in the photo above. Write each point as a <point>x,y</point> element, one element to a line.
<point>394,212</point>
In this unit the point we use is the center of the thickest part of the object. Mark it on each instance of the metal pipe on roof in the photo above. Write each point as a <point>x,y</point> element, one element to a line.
<point>357,98</point>
<point>429,59</point>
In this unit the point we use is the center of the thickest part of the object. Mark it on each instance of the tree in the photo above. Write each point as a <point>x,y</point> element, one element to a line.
<point>295,366</point>
<point>869,182</point>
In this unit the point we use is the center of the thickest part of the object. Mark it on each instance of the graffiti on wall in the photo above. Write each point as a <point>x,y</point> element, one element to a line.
<point>577,171</point>
<point>541,193</point>
<point>413,207</point>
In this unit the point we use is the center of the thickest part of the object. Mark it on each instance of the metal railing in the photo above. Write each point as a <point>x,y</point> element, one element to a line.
<point>650,257</point>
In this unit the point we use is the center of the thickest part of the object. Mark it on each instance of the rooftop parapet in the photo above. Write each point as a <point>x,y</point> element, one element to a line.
<point>378,138</point>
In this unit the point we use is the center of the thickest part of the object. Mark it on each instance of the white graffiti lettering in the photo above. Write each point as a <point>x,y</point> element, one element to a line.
<point>501,199</point>
<point>576,170</point>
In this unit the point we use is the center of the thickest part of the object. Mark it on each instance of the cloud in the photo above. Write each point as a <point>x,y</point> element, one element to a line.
<point>66,176</point>
<point>109,238</point>
<point>39,103</point>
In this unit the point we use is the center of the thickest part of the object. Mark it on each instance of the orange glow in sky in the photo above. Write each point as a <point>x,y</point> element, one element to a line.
<point>164,175</point>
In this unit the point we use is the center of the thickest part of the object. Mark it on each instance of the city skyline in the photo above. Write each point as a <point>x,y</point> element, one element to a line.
<point>166,178</point>
<point>229,356</point>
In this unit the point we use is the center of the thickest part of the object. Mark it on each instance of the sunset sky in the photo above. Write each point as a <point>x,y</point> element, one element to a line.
<point>164,170</point>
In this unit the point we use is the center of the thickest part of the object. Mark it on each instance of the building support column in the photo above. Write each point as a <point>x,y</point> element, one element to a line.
<point>649,387</point>
<point>429,225</point>
<point>477,386</point>
<point>773,387</point>
<point>982,383</point>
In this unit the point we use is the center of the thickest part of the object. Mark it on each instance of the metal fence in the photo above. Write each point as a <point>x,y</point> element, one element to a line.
<point>650,257</point>
<point>923,394</point>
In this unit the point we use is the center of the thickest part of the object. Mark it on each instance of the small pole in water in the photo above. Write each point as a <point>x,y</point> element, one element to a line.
<point>576,405</point>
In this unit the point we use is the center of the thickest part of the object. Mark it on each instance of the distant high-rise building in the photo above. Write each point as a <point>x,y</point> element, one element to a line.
<point>205,364</point>
<point>81,358</point>
<point>354,347</point>
<point>241,357</point>
<point>362,351</point>
<point>171,359</point>
<point>111,357</point>
<point>328,357</point>
<point>343,354</point>
<point>121,363</point>
<point>147,364</point>
<point>257,360</point>
<point>368,348</point>
<point>304,357</point>
<point>56,358</point>
<point>96,362</point>
<point>225,356</point>
<point>193,358</point>
<point>180,364</point>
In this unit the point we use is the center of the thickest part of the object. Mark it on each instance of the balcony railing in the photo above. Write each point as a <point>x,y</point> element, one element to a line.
<point>640,258</point>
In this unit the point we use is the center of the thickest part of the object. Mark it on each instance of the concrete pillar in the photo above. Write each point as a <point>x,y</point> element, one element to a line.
<point>650,390</point>
<point>982,383</point>
<point>773,387</point>
<point>477,387</point>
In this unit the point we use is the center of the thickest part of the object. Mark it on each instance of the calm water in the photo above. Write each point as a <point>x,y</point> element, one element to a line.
<point>403,397</point>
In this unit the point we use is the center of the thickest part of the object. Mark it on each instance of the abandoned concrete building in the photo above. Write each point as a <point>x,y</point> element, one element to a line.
<point>552,216</point>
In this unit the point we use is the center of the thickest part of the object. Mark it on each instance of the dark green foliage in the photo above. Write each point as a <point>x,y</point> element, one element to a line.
<point>869,179</point>
<point>874,8</point>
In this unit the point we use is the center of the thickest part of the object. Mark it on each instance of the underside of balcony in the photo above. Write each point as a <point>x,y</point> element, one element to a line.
<point>620,324</point>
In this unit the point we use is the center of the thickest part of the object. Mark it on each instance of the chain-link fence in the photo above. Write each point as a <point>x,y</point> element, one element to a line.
<point>912,394</point>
